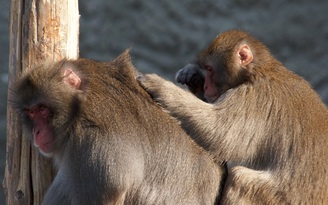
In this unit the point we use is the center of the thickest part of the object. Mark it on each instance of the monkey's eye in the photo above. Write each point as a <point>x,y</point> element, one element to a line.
<point>29,112</point>
<point>42,108</point>
<point>208,68</point>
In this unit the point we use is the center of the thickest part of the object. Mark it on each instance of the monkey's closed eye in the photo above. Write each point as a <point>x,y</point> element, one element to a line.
<point>27,111</point>
<point>42,108</point>
<point>208,68</point>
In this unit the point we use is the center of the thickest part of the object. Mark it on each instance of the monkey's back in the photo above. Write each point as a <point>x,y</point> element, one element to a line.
<point>140,150</point>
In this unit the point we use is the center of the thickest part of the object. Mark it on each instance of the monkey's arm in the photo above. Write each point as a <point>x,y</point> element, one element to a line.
<point>208,124</point>
<point>192,76</point>
<point>57,192</point>
<point>193,113</point>
<point>179,102</point>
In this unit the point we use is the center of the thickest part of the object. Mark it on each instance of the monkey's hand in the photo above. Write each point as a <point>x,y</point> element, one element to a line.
<point>153,84</point>
<point>191,75</point>
<point>177,101</point>
<point>164,92</point>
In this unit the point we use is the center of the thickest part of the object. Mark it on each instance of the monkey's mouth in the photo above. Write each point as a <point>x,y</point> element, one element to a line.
<point>46,148</point>
<point>43,140</point>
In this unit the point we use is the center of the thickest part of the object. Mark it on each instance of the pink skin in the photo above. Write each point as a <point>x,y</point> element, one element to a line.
<point>72,79</point>
<point>40,115</point>
<point>212,93</point>
<point>42,135</point>
<point>210,90</point>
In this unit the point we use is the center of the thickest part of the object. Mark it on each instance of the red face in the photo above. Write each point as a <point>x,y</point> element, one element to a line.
<point>210,89</point>
<point>42,135</point>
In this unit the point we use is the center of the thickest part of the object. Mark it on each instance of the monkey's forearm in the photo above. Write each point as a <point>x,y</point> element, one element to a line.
<point>183,105</point>
<point>179,102</point>
<point>195,115</point>
<point>56,194</point>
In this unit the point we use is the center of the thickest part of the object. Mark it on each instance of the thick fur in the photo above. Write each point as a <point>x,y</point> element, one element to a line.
<point>271,126</point>
<point>114,144</point>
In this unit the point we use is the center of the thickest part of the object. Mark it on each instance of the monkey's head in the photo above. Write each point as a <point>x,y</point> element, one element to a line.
<point>230,61</point>
<point>47,97</point>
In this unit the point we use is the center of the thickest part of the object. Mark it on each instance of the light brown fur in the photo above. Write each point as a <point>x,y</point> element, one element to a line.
<point>113,144</point>
<point>268,122</point>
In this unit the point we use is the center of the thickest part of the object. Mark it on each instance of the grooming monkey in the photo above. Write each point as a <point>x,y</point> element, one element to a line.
<point>262,118</point>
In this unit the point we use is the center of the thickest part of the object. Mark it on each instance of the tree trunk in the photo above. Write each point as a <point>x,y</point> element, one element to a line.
<point>40,30</point>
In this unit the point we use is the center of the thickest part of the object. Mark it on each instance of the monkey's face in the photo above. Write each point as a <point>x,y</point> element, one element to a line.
<point>48,106</point>
<point>226,65</point>
<point>43,136</point>
<point>37,115</point>
<point>215,77</point>
<point>211,90</point>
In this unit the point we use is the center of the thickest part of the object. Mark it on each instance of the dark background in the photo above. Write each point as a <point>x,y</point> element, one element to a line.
<point>164,35</point>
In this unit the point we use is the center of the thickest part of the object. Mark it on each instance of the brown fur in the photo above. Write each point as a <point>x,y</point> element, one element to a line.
<point>268,122</point>
<point>113,144</point>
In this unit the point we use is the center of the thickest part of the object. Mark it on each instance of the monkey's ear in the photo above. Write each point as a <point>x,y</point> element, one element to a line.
<point>71,78</point>
<point>245,55</point>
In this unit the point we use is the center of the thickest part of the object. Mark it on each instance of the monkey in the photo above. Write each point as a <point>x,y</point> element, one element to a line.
<point>110,142</point>
<point>264,120</point>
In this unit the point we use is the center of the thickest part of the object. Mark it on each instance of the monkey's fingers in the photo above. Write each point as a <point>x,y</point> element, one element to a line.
<point>186,74</point>
<point>151,83</point>
<point>140,79</point>
<point>180,76</point>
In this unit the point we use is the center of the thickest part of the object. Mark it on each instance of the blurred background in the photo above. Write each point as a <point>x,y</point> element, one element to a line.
<point>164,35</point>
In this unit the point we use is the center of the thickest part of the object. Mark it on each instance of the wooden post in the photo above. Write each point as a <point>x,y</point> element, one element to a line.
<point>39,30</point>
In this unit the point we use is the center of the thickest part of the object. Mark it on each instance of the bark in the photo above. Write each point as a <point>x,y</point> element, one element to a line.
<point>40,30</point>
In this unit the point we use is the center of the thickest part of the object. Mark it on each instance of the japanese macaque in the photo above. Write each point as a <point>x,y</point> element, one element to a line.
<point>111,143</point>
<point>264,120</point>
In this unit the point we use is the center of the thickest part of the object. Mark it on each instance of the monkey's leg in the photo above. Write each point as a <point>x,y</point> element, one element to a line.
<point>247,186</point>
